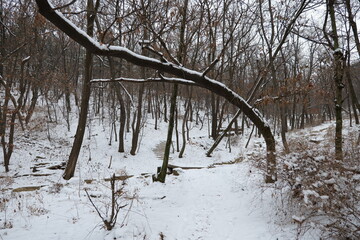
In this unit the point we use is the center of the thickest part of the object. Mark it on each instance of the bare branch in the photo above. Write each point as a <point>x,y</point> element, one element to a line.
<point>9,30</point>
<point>288,29</point>
<point>163,44</point>
<point>160,54</point>
<point>14,51</point>
<point>66,5</point>
<point>93,204</point>
<point>326,35</point>
<point>13,100</point>
<point>211,65</point>
<point>147,80</point>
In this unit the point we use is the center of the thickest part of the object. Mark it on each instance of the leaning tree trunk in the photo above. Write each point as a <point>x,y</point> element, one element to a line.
<point>193,77</point>
<point>162,173</point>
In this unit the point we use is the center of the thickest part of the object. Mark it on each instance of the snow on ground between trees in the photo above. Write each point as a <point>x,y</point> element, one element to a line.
<point>223,201</point>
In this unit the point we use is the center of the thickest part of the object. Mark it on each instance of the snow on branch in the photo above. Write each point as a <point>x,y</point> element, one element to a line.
<point>175,69</point>
<point>146,80</point>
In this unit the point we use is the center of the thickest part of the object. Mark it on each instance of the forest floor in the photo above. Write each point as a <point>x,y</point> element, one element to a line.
<point>225,199</point>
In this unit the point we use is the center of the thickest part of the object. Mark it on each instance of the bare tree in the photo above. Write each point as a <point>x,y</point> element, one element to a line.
<point>338,70</point>
<point>181,52</point>
<point>74,154</point>
<point>190,76</point>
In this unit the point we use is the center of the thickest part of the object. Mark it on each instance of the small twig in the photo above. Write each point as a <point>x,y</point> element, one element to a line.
<point>127,213</point>
<point>9,30</point>
<point>110,221</point>
<point>14,51</point>
<point>97,210</point>
<point>160,54</point>
<point>163,44</point>
<point>211,66</point>
<point>66,5</point>
<point>110,162</point>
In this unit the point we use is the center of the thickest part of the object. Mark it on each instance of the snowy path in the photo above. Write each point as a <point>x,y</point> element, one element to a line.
<point>216,203</point>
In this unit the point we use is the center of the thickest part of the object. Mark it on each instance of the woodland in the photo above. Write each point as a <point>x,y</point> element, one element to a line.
<point>260,74</point>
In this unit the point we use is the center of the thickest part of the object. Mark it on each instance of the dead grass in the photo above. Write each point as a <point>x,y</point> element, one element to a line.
<point>315,190</point>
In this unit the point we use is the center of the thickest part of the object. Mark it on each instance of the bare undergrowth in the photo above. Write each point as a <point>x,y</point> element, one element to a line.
<point>316,191</point>
<point>24,204</point>
<point>110,209</point>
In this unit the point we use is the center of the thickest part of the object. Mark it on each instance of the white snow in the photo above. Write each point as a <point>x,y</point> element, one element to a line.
<point>308,193</point>
<point>222,202</point>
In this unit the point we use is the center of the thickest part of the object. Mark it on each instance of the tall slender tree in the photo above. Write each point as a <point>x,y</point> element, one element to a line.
<point>85,95</point>
<point>338,71</point>
<point>181,52</point>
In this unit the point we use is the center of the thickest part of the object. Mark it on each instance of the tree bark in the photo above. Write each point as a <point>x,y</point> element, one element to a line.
<point>136,130</point>
<point>338,76</point>
<point>183,127</point>
<point>121,147</point>
<point>162,174</point>
<point>85,96</point>
<point>353,25</point>
<point>354,101</point>
<point>2,38</point>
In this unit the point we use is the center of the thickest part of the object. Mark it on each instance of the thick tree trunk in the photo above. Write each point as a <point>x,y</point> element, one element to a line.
<point>283,120</point>
<point>3,125</point>
<point>176,119</point>
<point>214,114</point>
<point>30,111</point>
<point>338,77</point>
<point>338,74</point>
<point>284,129</point>
<point>165,107</point>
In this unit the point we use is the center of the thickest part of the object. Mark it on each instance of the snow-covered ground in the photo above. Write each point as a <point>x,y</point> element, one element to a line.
<point>219,201</point>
